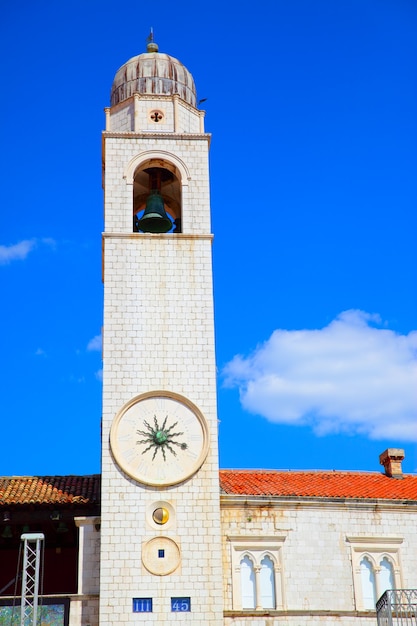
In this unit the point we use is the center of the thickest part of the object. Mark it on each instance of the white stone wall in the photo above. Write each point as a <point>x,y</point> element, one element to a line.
<point>123,117</point>
<point>158,334</point>
<point>134,115</point>
<point>316,555</point>
<point>84,607</point>
<point>188,120</point>
<point>84,610</point>
<point>88,555</point>
<point>144,106</point>
<point>161,310</point>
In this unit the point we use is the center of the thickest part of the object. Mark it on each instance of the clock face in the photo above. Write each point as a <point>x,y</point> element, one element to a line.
<point>159,438</point>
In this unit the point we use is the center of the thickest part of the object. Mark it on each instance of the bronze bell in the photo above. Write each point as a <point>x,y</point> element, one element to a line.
<point>154,218</point>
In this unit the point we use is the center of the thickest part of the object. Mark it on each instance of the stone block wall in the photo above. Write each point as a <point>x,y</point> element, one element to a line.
<point>318,562</point>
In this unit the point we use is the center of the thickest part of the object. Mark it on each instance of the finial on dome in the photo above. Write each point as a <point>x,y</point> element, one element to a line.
<point>151,46</point>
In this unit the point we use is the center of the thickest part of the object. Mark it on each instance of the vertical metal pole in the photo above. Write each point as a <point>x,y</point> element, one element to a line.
<point>30,578</point>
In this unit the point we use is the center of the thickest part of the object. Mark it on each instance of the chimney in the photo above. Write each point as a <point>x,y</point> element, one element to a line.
<point>391,460</point>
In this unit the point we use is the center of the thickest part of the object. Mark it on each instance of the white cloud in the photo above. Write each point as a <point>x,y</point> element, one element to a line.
<point>350,376</point>
<point>95,344</point>
<point>47,241</point>
<point>19,251</point>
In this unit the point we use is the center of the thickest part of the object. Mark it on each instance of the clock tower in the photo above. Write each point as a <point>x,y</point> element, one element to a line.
<point>160,524</point>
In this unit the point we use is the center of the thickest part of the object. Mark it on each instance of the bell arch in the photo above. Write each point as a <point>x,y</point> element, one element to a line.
<point>158,179</point>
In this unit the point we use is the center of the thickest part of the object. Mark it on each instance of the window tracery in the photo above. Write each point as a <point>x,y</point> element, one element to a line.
<point>257,580</point>
<point>376,568</point>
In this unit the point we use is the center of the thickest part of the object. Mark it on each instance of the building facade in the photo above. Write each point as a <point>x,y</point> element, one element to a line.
<point>297,547</point>
<point>163,535</point>
<point>314,547</point>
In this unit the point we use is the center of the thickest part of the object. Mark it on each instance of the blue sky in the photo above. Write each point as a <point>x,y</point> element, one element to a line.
<point>312,108</point>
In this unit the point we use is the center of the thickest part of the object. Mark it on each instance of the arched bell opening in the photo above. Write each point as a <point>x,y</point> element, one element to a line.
<point>157,198</point>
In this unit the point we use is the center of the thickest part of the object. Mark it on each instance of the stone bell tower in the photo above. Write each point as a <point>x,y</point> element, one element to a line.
<point>160,526</point>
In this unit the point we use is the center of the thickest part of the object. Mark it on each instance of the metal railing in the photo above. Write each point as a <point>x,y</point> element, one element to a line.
<point>397,607</point>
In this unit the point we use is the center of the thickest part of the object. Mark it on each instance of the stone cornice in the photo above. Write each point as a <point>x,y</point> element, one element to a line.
<point>297,502</point>
<point>151,135</point>
<point>155,236</point>
<point>371,539</point>
<point>297,613</point>
<point>261,539</point>
<point>153,98</point>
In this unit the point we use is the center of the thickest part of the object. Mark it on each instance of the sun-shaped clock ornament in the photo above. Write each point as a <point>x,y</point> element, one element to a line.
<point>159,438</point>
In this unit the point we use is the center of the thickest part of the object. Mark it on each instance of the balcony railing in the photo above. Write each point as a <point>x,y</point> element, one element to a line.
<point>397,607</point>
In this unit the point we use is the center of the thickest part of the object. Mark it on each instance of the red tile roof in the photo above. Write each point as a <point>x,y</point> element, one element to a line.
<point>316,484</point>
<point>50,490</point>
<point>85,490</point>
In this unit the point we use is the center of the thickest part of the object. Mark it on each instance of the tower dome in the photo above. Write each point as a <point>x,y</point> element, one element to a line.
<point>153,73</point>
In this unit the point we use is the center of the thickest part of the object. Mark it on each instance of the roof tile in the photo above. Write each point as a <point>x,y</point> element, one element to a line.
<point>41,490</point>
<point>50,490</point>
<point>318,484</point>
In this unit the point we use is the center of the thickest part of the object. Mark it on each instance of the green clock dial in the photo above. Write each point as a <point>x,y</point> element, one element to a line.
<point>159,438</point>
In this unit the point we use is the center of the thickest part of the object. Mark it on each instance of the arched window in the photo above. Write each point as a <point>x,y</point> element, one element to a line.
<point>376,568</point>
<point>267,583</point>
<point>247,581</point>
<point>368,584</point>
<point>386,575</point>
<point>257,582</point>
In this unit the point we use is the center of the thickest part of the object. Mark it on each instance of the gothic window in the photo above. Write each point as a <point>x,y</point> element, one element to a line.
<point>386,575</point>
<point>368,584</point>
<point>376,568</point>
<point>257,581</point>
<point>267,582</point>
<point>247,581</point>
